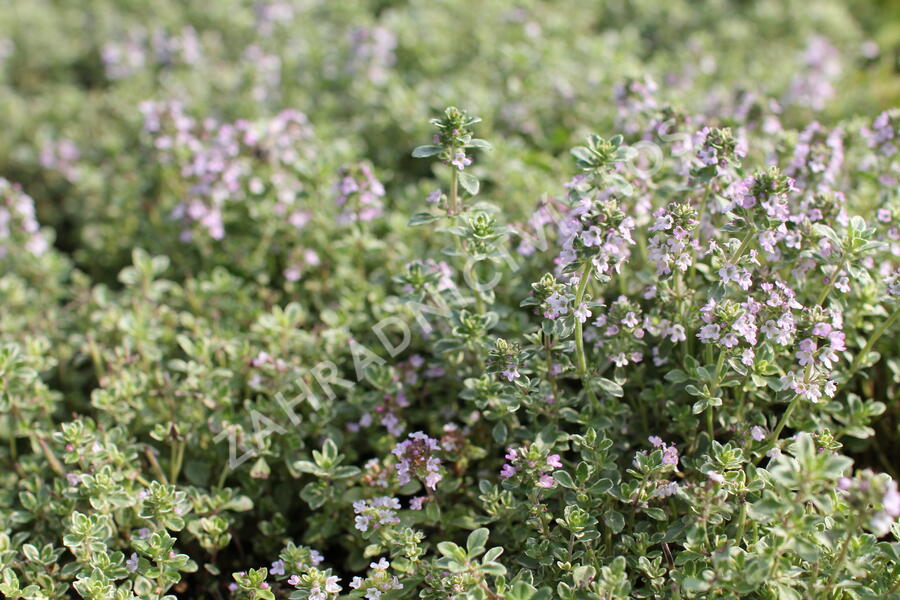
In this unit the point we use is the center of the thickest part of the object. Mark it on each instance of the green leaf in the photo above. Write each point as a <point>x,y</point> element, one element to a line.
<point>583,575</point>
<point>655,513</point>
<point>479,143</point>
<point>449,549</point>
<point>609,386</point>
<point>30,552</point>
<point>765,509</point>
<point>476,541</point>
<point>692,584</point>
<point>426,151</point>
<point>469,182</point>
<point>614,520</point>
<point>602,486</point>
<point>329,451</point>
<point>143,587</point>
<point>499,432</point>
<point>422,218</point>
<point>582,153</point>
<point>493,568</point>
<point>313,495</point>
<point>564,479</point>
<point>520,591</point>
<point>493,553</point>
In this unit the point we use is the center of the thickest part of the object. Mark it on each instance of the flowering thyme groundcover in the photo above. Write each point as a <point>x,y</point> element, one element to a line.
<point>386,299</point>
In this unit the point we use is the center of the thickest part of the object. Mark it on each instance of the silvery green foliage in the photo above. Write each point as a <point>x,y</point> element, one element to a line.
<point>278,324</point>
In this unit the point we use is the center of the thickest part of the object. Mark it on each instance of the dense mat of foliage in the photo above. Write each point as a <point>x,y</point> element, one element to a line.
<point>277,324</point>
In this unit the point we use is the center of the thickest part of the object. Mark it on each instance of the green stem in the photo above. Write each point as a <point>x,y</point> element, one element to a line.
<point>710,420</point>
<point>454,190</point>
<point>579,336</point>
<point>839,563</point>
<point>827,289</point>
<point>742,248</point>
<point>854,366</point>
<point>742,523</point>
<point>177,459</point>
<point>51,457</point>
<point>154,465</point>
<point>787,413</point>
<point>780,426</point>
<point>693,270</point>
<point>12,436</point>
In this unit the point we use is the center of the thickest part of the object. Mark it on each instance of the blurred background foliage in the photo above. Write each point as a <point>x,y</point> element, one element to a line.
<point>370,73</point>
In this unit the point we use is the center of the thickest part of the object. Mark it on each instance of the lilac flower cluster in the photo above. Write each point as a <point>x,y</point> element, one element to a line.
<point>376,513</point>
<point>727,322</point>
<point>301,261</point>
<point>718,150</point>
<point>18,221</point>
<point>316,584</point>
<point>619,332</point>
<point>264,365</point>
<point>540,218</point>
<point>372,53</point>
<point>378,475</point>
<point>417,459</point>
<point>388,412</point>
<point>890,507</point>
<point>867,489</point>
<point>596,229</point>
<point>672,244</point>
<point>427,276</point>
<point>227,163</point>
<point>816,356</point>
<point>669,452</point>
<point>818,159</point>
<point>531,465</point>
<point>269,14</point>
<point>664,489</point>
<point>762,199</point>
<point>377,583</point>
<point>882,136</point>
<point>389,409</point>
<point>552,297</point>
<point>504,359</point>
<point>663,330</point>
<point>813,85</point>
<point>634,96</point>
<point>359,194</point>
<point>296,558</point>
<point>61,156</point>
<point>129,55</point>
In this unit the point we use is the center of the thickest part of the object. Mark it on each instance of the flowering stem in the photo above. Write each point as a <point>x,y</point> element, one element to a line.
<point>742,523</point>
<point>781,423</point>
<point>854,366</point>
<point>700,213</point>
<point>710,421</point>
<point>221,483</point>
<point>827,289</point>
<point>154,464</point>
<point>454,190</point>
<point>51,457</point>
<point>742,248</point>
<point>839,563</point>
<point>579,336</point>
<point>177,459</point>
<point>12,436</point>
